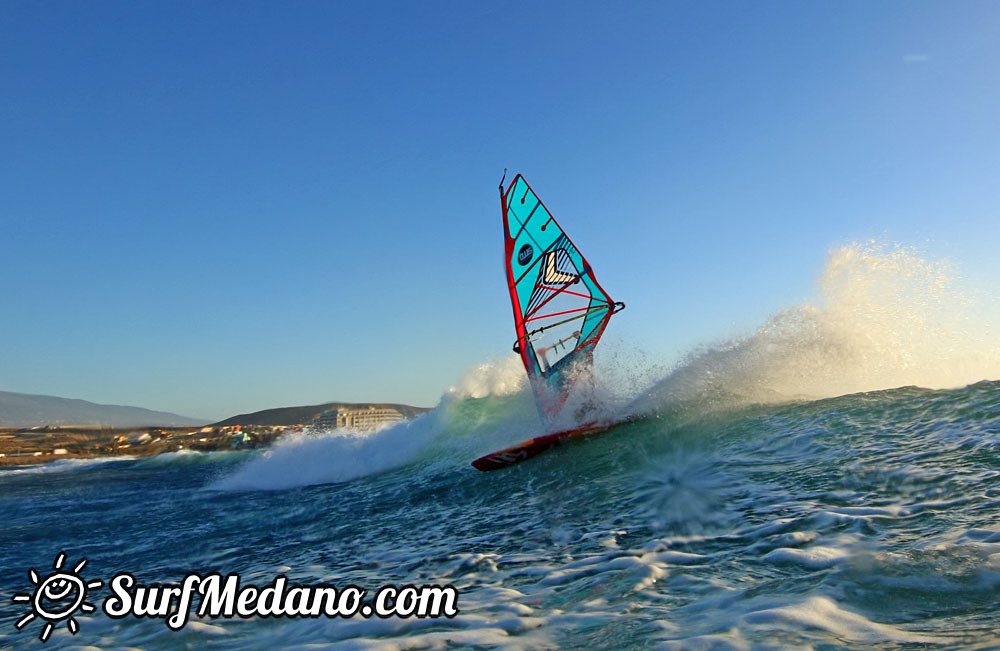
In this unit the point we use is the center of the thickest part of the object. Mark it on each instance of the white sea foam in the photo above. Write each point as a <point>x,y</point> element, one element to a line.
<point>334,456</point>
<point>184,455</point>
<point>823,614</point>
<point>674,558</point>
<point>640,572</point>
<point>65,465</point>
<point>815,558</point>
<point>469,564</point>
<point>205,628</point>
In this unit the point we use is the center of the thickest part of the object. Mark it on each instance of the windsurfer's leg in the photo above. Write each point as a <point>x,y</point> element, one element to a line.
<point>542,355</point>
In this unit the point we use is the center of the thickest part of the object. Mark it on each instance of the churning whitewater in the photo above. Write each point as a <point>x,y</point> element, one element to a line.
<point>829,480</point>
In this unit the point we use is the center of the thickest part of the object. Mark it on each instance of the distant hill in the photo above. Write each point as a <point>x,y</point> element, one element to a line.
<point>27,410</point>
<point>305,415</point>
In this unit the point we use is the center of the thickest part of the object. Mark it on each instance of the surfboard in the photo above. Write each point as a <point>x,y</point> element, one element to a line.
<point>533,447</point>
<point>560,313</point>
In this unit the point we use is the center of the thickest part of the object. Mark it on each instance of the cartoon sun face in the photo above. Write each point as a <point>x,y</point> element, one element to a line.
<point>57,597</point>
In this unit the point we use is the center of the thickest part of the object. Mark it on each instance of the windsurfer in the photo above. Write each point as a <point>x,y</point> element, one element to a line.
<point>542,352</point>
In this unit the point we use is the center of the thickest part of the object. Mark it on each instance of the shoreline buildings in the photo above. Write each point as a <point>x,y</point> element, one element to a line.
<point>362,418</point>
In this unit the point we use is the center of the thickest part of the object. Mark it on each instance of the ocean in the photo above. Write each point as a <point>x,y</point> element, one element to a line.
<point>830,480</point>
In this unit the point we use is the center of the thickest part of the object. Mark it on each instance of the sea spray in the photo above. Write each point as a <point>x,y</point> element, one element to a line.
<point>498,377</point>
<point>886,318</point>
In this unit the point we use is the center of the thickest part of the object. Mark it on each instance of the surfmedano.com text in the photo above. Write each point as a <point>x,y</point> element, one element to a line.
<point>226,597</point>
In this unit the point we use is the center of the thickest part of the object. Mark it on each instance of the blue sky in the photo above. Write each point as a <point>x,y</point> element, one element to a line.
<point>219,207</point>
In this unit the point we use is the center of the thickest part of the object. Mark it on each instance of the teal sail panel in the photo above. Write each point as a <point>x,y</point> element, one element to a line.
<point>560,310</point>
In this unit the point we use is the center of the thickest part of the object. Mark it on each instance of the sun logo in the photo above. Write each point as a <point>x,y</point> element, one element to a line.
<point>57,597</point>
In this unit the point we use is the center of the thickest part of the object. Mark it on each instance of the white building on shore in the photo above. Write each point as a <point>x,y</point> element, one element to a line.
<point>362,418</point>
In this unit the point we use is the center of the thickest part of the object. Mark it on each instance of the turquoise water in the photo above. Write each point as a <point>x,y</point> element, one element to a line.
<point>864,520</point>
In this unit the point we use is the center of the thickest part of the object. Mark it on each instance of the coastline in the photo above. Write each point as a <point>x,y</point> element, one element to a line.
<point>40,445</point>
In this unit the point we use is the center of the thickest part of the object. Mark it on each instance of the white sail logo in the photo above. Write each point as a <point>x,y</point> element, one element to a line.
<point>552,274</point>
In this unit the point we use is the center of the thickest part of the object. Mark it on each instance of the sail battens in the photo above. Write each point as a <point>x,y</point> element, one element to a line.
<point>545,316</point>
<point>542,265</point>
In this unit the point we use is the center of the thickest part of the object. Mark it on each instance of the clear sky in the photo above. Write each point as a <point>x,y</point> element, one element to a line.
<point>218,207</point>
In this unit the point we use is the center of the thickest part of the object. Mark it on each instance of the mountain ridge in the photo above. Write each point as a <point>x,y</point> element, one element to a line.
<point>35,410</point>
<point>305,414</point>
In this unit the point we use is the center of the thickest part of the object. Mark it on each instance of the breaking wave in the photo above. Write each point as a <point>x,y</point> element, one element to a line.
<point>886,318</point>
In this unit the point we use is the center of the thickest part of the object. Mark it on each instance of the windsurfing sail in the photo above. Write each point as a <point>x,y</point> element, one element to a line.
<point>560,310</point>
